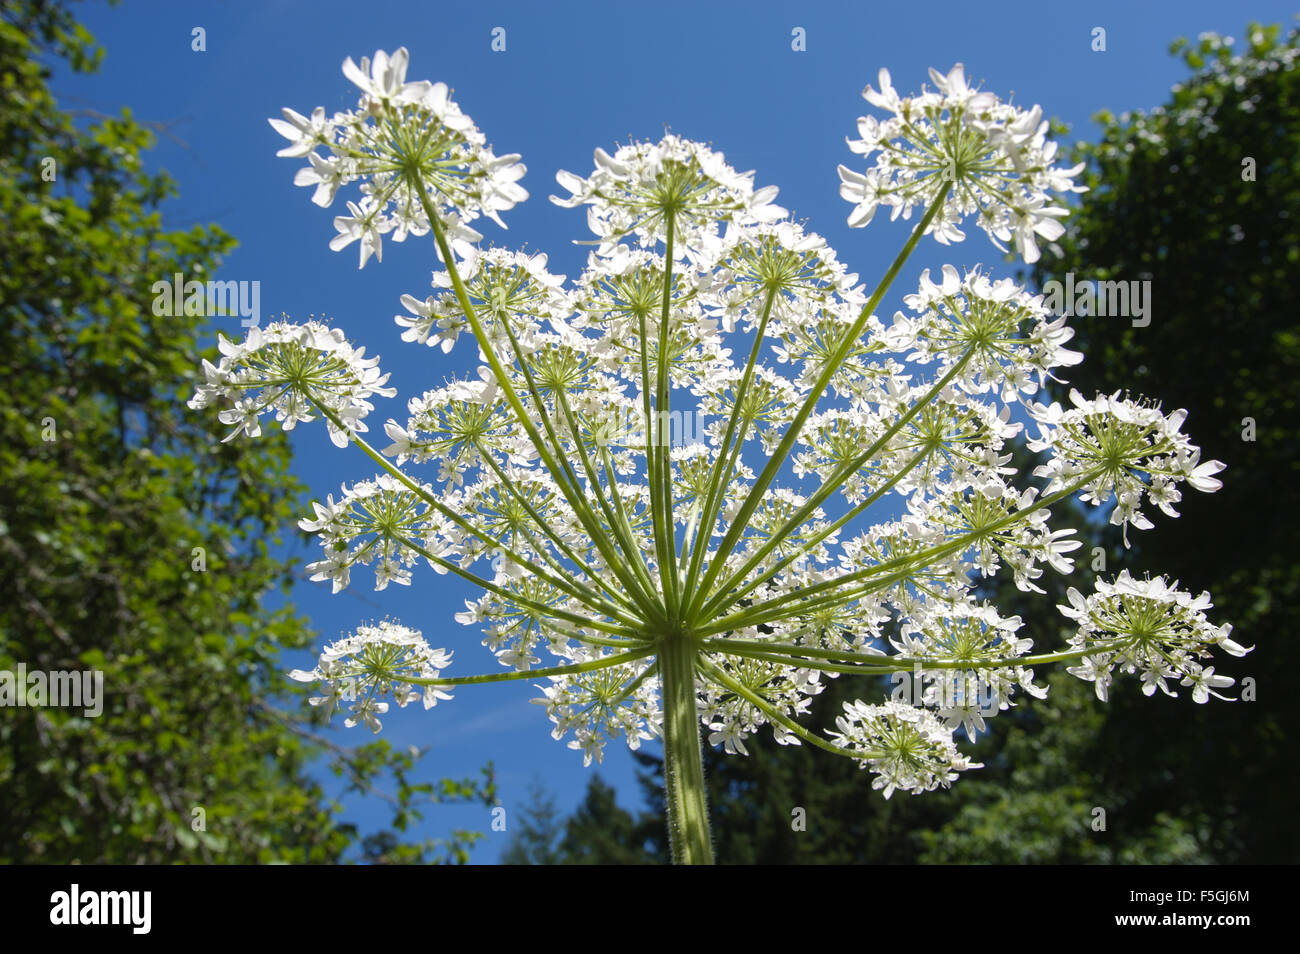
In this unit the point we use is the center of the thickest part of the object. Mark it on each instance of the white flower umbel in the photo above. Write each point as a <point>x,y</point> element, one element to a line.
<point>991,160</point>
<point>642,186</point>
<point>381,661</point>
<point>602,704</point>
<point>908,748</point>
<point>976,650</point>
<point>1149,627</point>
<point>294,371</point>
<point>1133,450</point>
<point>370,524</point>
<point>665,478</point>
<point>411,149</point>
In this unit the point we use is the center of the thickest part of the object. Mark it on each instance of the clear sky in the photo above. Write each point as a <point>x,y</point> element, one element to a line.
<point>573,76</point>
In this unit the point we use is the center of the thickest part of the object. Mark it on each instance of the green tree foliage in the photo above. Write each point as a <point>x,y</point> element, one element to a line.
<point>537,831</point>
<point>109,486</point>
<point>600,832</point>
<point>1202,198</point>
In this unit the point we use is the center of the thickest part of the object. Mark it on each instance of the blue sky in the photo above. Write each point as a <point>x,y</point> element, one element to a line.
<point>573,76</point>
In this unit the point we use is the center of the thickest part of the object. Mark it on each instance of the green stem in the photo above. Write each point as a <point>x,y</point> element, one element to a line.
<point>618,526</point>
<point>667,568</point>
<point>620,510</point>
<point>688,813</point>
<point>542,609</point>
<point>723,599</point>
<point>775,715</point>
<point>546,528</point>
<point>629,548</point>
<point>812,658</point>
<point>568,586</point>
<point>807,599</point>
<point>604,662</point>
<point>573,493</point>
<point>755,494</point>
<point>716,488</point>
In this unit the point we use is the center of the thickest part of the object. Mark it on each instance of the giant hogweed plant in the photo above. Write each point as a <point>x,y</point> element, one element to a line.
<point>685,586</point>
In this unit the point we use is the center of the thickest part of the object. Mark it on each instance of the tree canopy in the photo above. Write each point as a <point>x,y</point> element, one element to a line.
<point>132,541</point>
